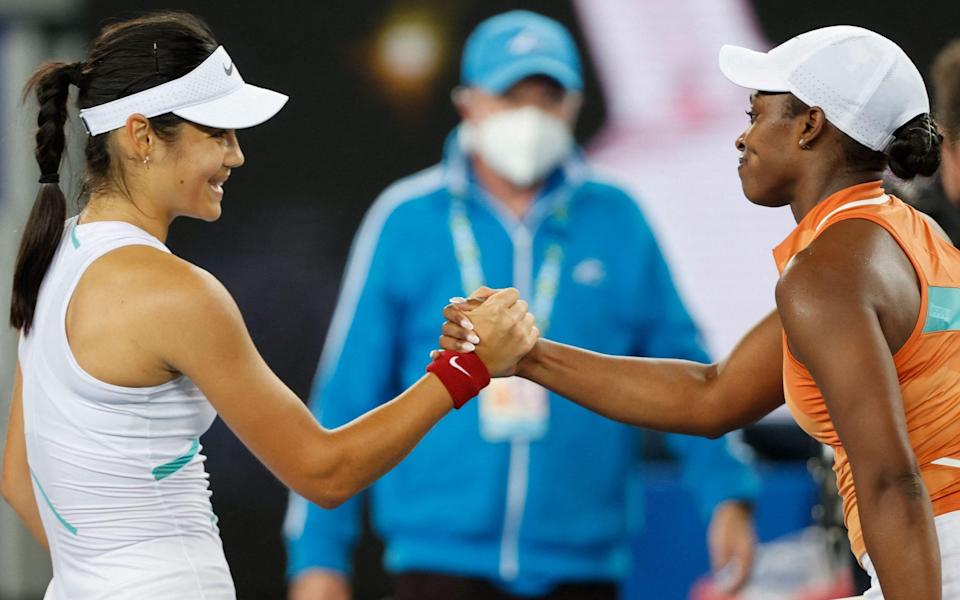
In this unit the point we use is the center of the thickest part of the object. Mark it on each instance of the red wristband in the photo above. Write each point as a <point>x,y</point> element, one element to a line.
<point>462,373</point>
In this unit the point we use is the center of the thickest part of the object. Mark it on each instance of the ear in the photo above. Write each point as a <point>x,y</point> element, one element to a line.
<point>137,138</point>
<point>572,103</point>
<point>814,125</point>
<point>460,96</point>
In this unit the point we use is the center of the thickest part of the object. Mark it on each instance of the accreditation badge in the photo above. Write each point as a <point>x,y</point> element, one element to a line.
<point>513,409</point>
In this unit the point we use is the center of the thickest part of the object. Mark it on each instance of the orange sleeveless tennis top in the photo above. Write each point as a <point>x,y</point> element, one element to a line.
<point>928,364</point>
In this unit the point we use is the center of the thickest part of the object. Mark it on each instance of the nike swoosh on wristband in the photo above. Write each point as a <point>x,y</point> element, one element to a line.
<point>453,363</point>
<point>228,70</point>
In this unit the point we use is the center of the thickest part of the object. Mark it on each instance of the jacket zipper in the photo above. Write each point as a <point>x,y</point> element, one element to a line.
<point>518,470</point>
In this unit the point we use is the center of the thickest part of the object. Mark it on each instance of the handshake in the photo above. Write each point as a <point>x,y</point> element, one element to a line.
<point>496,324</point>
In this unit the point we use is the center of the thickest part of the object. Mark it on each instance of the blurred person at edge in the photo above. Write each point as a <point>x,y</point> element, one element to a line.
<point>946,84</point>
<point>537,505</point>
<point>939,196</point>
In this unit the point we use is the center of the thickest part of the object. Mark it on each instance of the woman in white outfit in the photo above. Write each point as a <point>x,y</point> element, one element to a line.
<point>127,353</point>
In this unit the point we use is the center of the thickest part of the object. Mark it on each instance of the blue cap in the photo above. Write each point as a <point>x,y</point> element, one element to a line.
<point>514,45</point>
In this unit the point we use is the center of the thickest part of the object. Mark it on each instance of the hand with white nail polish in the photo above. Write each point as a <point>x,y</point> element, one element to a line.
<point>500,319</point>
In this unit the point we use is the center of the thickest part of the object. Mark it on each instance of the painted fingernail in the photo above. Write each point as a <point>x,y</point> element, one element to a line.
<point>467,347</point>
<point>466,325</point>
<point>473,338</point>
<point>457,300</point>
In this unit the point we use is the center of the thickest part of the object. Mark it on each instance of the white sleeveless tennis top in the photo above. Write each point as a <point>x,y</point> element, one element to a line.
<point>117,471</point>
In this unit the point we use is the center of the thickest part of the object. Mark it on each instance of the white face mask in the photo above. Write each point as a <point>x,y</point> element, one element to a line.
<point>522,144</point>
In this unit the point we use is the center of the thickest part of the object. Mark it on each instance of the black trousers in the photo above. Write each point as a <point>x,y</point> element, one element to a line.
<point>434,586</point>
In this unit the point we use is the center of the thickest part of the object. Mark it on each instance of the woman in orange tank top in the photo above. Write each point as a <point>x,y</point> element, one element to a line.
<point>865,343</point>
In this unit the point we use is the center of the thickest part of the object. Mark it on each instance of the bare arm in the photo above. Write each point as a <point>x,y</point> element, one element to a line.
<point>669,395</point>
<point>829,302</point>
<point>201,334</point>
<point>17,487</point>
<point>664,394</point>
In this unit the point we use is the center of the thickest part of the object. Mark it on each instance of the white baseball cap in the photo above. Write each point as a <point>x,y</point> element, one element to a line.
<point>212,94</point>
<point>865,84</point>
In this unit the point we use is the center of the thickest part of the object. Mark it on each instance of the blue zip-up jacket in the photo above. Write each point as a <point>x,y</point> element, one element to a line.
<point>525,515</point>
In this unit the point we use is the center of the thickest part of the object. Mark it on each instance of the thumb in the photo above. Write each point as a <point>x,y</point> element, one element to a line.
<point>731,576</point>
<point>503,299</point>
<point>483,292</point>
<point>719,557</point>
<point>477,298</point>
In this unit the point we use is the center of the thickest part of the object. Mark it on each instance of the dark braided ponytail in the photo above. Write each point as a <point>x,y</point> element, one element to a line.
<point>915,149</point>
<point>45,225</point>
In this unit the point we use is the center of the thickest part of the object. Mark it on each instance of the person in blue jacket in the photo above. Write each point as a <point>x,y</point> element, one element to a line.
<point>526,495</point>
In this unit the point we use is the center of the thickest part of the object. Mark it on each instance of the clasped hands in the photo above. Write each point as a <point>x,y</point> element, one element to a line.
<point>497,317</point>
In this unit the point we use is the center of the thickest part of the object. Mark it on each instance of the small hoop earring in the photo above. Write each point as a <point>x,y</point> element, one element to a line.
<point>804,145</point>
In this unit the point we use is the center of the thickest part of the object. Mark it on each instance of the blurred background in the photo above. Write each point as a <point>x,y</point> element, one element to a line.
<point>370,102</point>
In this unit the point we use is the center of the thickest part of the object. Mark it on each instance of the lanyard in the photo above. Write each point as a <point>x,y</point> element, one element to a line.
<point>547,281</point>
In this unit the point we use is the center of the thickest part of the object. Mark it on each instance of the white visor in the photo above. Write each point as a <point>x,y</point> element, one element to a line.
<point>213,94</point>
